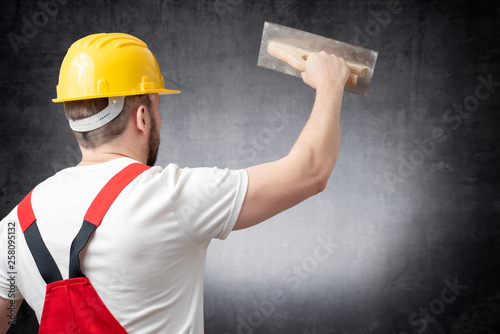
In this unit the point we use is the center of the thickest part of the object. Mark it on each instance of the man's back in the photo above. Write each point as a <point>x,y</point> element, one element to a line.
<point>146,259</point>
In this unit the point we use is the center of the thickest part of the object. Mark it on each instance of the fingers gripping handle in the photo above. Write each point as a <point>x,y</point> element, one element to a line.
<point>297,57</point>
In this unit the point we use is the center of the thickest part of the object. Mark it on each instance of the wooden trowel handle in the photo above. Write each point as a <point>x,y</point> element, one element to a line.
<point>297,57</point>
<point>291,55</point>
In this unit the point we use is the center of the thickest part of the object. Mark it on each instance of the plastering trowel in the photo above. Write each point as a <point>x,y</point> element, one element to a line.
<point>285,50</point>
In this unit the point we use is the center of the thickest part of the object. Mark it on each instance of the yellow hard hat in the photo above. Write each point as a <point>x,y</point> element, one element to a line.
<point>106,65</point>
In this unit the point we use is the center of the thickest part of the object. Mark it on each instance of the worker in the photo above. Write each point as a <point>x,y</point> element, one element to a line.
<point>138,233</point>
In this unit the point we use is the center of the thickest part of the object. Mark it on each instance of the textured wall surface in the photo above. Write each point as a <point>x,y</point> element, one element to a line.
<point>405,239</point>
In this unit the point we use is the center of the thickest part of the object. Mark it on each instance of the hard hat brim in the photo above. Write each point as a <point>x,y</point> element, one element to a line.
<point>160,91</point>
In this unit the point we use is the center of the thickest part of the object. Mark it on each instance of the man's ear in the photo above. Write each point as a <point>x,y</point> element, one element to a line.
<point>142,119</point>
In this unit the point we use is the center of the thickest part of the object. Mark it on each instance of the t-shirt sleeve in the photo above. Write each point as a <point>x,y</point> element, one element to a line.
<point>207,201</point>
<point>9,232</point>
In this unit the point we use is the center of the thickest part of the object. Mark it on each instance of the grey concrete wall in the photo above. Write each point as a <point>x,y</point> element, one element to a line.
<point>405,237</point>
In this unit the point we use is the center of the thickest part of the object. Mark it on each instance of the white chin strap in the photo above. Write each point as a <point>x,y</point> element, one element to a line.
<point>102,118</point>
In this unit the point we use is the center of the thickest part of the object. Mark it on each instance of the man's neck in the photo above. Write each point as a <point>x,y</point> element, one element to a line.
<point>95,160</point>
<point>131,143</point>
<point>104,154</point>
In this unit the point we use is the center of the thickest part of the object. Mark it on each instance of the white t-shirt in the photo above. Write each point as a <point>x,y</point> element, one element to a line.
<point>146,260</point>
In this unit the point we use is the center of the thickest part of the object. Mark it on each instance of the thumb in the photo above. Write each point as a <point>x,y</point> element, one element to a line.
<point>305,78</point>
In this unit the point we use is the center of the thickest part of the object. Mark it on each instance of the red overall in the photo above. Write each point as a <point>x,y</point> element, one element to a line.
<point>72,305</point>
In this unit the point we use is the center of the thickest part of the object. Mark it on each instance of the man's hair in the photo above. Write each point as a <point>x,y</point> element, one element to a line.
<point>76,110</point>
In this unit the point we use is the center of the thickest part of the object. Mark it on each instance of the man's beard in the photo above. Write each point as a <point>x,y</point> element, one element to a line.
<point>153,144</point>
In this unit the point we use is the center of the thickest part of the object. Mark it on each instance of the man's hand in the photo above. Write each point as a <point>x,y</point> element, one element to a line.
<point>325,70</point>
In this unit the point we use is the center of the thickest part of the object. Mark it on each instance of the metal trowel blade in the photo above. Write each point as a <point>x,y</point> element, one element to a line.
<point>355,56</point>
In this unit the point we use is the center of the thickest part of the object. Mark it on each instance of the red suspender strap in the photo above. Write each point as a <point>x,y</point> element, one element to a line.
<point>97,211</point>
<point>25,213</point>
<point>44,261</point>
<point>111,190</point>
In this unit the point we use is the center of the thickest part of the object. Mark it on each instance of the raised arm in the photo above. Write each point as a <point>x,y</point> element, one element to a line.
<point>276,186</point>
